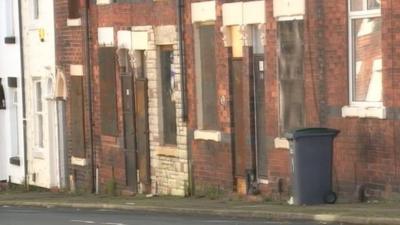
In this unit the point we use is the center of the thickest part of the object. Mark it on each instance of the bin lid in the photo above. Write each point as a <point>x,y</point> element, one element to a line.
<point>311,132</point>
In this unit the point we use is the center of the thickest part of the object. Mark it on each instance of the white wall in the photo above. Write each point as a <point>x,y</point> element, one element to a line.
<point>39,59</point>
<point>10,66</point>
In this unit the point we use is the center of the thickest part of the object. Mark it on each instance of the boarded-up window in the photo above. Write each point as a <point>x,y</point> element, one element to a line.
<point>206,80</point>
<point>77,118</point>
<point>291,75</point>
<point>74,9</point>
<point>168,103</point>
<point>108,104</point>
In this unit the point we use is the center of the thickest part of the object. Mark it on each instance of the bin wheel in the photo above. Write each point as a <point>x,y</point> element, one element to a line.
<point>330,197</point>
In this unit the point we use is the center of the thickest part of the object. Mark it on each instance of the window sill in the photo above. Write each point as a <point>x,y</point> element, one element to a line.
<point>281,143</point>
<point>16,161</point>
<point>78,161</point>
<point>209,135</point>
<point>74,22</point>
<point>364,112</point>
<point>167,151</point>
<point>103,2</point>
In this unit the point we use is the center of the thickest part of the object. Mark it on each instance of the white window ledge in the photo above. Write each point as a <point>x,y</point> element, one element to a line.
<point>364,112</point>
<point>78,161</point>
<point>290,18</point>
<point>210,135</point>
<point>167,151</point>
<point>76,70</point>
<point>103,2</point>
<point>282,143</point>
<point>263,181</point>
<point>74,22</point>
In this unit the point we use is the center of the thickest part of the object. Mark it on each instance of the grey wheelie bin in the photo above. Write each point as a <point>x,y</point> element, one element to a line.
<point>311,154</point>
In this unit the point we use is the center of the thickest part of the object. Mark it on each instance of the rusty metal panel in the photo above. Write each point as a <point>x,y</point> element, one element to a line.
<point>259,114</point>
<point>208,73</point>
<point>77,117</point>
<point>142,132</point>
<point>108,103</point>
<point>239,123</point>
<point>169,109</point>
<point>291,75</point>
<point>128,111</point>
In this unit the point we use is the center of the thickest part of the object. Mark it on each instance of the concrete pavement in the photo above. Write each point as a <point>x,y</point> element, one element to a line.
<point>68,216</point>
<point>373,213</point>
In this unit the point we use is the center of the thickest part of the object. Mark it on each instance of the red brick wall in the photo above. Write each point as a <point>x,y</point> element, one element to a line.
<point>366,152</point>
<point>110,157</point>
<point>211,161</point>
<point>70,50</point>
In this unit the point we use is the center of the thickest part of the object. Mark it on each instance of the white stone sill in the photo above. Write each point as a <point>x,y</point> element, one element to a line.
<point>167,151</point>
<point>74,22</point>
<point>209,135</point>
<point>78,161</point>
<point>281,143</point>
<point>103,2</point>
<point>364,112</point>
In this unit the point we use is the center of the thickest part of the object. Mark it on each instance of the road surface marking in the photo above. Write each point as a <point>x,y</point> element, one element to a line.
<point>82,221</point>
<point>113,223</point>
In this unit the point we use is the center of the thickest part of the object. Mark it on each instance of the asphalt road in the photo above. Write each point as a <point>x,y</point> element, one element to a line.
<point>61,216</point>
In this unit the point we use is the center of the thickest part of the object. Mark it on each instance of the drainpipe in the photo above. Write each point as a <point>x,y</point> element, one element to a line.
<point>23,93</point>
<point>181,32</point>
<point>88,73</point>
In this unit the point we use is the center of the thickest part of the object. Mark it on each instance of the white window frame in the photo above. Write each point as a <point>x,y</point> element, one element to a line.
<point>365,13</point>
<point>37,114</point>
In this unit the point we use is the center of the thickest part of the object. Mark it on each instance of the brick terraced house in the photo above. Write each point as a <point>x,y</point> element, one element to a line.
<point>126,128</point>
<point>258,69</point>
<point>183,97</point>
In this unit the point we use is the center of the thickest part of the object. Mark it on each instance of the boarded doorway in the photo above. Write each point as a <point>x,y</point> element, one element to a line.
<point>142,124</point>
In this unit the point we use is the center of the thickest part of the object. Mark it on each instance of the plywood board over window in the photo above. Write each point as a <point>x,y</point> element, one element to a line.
<point>74,9</point>
<point>291,74</point>
<point>206,77</point>
<point>77,120</point>
<point>108,103</point>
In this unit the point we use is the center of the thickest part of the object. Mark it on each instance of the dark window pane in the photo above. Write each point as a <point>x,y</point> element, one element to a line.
<point>2,96</point>
<point>169,109</point>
